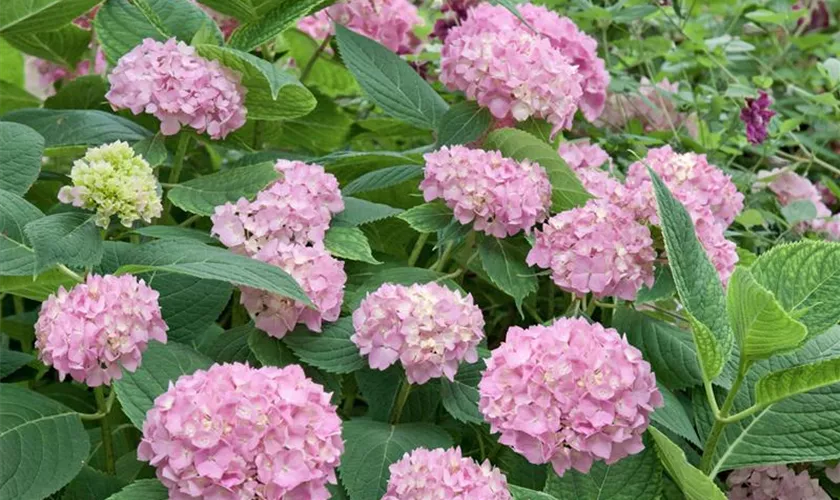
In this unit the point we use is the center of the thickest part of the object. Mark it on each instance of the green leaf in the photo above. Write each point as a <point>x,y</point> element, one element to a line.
<point>692,482</point>
<point>213,263</point>
<point>12,71</point>
<point>17,258</point>
<point>65,46</point>
<point>637,477</point>
<point>762,328</point>
<point>121,25</point>
<point>799,211</point>
<point>804,277</point>
<point>63,128</point>
<point>520,493</point>
<point>35,287</point>
<point>44,444</point>
<point>232,346</point>
<point>428,217</point>
<point>669,349</point>
<point>463,123</point>
<point>161,365</point>
<point>327,74</point>
<point>269,351</point>
<point>175,233</point>
<point>504,263</point>
<point>41,15</point>
<point>144,489</point>
<point>697,282</point>
<point>21,149</point>
<point>379,388</point>
<point>273,94</point>
<point>15,97</point>
<point>382,178</point>
<point>371,447</point>
<point>460,397</point>
<point>269,24</point>
<point>152,149</point>
<point>203,194</point>
<point>92,484</point>
<point>349,243</point>
<point>663,287</point>
<point>323,130</point>
<point>783,384</point>
<point>84,92</point>
<point>189,305</point>
<point>566,190</point>
<point>674,417</point>
<point>69,238</point>
<point>389,81</point>
<point>12,361</point>
<point>331,350</point>
<point>357,212</point>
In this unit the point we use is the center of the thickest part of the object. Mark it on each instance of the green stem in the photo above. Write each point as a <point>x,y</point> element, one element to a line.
<point>69,272</point>
<point>402,397</point>
<point>314,58</point>
<point>720,419</point>
<point>418,247</point>
<point>439,265</point>
<point>177,167</point>
<point>350,390</point>
<point>105,425</point>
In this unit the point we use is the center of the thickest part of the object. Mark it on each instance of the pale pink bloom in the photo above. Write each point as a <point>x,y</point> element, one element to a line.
<point>790,187</point>
<point>570,393</point>
<point>499,195</point>
<point>826,194</point>
<point>597,248</point>
<point>98,328</point>
<point>389,22</point>
<point>775,482</point>
<point>833,474</point>
<point>235,432</point>
<point>295,209</point>
<point>722,253</point>
<point>42,75</point>
<point>320,275</point>
<point>440,474</point>
<point>170,81</point>
<point>511,70</point>
<point>430,329</point>
<point>653,106</point>
<point>587,161</point>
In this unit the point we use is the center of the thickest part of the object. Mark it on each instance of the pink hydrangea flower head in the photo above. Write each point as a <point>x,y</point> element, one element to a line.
<point>98,328</point>
<point>776,482</point>
<point>569,393</point>
<point>42,75</point>
<point>295,209</point>
<point>790,187</point>
<point>597,248</point>
<point>429,328</point>
<point>826,194</point>
<point>389,22</point>
<point>580,48</point>
<point>496,60</point>
<point>587,161</point>
<point>722,253</point>
<point>499,195</point>
<point>692,180</point>
<point>170,81</point>
<point>445,474</point>
<point>320,275</point>
<point>235,432</point>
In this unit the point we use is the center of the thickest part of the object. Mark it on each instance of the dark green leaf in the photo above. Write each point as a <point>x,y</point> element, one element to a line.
<point>41,15</point>
<point>271,23</point>
<point>349,243</point>
<point>504,263</point>
<point>65,46</point>
<point>144,489</point>
<point>69,238</point>
<point>84,92</point>
<point>15,97</point>
<point>383,178</point>
<point>331,350</point>
<point>203,194</point>
<point>463,123</point>
<point>17,258</point>
<point>357,212</point>
<point>428,217</point>
<point>21,149</point>
<point>63,128</point>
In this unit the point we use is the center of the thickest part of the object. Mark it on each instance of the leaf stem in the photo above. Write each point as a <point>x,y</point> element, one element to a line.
<point>402,397</point>
<point>177,166</point>
<point>105,426</point>
<point>721,417</point>
<point>418,247</point>
<point>312,60</point>
<point>69,272</point>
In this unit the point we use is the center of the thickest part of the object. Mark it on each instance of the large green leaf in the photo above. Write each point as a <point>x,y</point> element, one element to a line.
<point>797,429</point>
<point>212,263</point>
<point>331,350</point>
<point>566,190</point>
<point>323,130</point>
<point>463,123</point>
<point>504,263</point>
<point>12,361</point>
<point>697,282</point>
<point>389,81</point>
<point>63,128</point>
<point>326,73</point>
<point>121,25</point>
<point>161,365</point>
<point>65,46</point>
<point>69,238</point>
<point>637,477</point>
<point>428,217</point>
<point>520,493</point>
<point>273,94</point>
<point>692,482</point>
<point>762,328</point>
<point>777,386</point>
<point>804,277</point>
<point>674,417</point>
<point>460,397</point>
<point>203,194</point>
<point>175,233</point>
<point>23,16</point>
<point>189,305</point>
<point>371,447</point>
<point>271,23</point>
<point>357,212</point>
<point>379,388</point>
<point>268,350</point>
<point>232,346</point>
<point>241,9</point>
<point>144,489</point>
<point>383,178</point>
<point>15,97</point>
<point>35,287</point>
<point>669,350</point>
<point>92,484</point>
<point>44,444</point>
<point>21,149</point>
<point>349,243</point>
<point>17,258</point>
<point>84,92</point>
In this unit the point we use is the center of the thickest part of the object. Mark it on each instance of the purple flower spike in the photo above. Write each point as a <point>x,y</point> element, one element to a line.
<point>756,115</point>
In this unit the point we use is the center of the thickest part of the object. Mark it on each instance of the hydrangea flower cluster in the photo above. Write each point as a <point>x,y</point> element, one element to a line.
<point>295,209</point>
<point>444,474</point>
<point>495,59</point>
<point>180,88</point>
<point>776,482</point>
<point>596,248</point>
<point>113,180</point>
<point>502,196</point>
<point>587,160</point>
<point>234,431</point>
<point>430,329</point>
<point>42,75</point>
<point>389,22</point>
<point>319,274</point>
<point>98,328</point>
<point>790,187</point>
<point>756,115</point>
<point>569,393</point>
<point>652,106</point>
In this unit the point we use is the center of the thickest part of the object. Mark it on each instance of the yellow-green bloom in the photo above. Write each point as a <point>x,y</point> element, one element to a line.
<point>114,180</point>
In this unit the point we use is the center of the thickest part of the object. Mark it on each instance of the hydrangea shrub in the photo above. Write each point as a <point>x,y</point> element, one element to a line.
<point>393,249</point>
